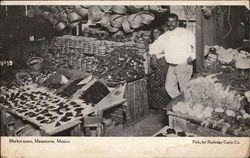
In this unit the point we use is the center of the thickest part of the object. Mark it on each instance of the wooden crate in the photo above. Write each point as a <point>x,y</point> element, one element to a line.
<point>136,107</point>
<point>177,122</point>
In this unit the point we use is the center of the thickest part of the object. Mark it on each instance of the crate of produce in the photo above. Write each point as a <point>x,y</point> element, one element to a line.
<point>193,126</point>
<point>136,106</point>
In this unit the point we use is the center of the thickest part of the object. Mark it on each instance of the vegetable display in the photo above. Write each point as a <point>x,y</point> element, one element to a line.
<point>121,64</point>
<point>94,93</point>
<point>216,106</point>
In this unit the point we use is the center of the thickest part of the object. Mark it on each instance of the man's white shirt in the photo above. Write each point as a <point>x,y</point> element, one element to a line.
<point>177,46</point>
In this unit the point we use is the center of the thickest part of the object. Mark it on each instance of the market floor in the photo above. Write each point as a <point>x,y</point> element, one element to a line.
<point>151,124</point>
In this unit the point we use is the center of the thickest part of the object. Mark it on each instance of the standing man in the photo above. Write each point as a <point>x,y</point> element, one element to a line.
<point>178,45</point>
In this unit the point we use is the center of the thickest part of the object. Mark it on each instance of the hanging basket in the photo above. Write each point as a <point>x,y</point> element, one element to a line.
<point>83,12</point>
<point>73,17</point>
<point>119,9</point>
<point>105,20</point>
<point>126,26</point>
<point>132,9</point>
<point>116,20</point>
<point>135,21</point>
<point>105,8</point>
<point>147,17</point>
<point>63,16</point>
<point>112,29</point>
<point>60,26</point>
<point>95,14</point>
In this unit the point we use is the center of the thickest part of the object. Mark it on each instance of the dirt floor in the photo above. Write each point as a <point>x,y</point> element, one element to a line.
<point>151,124</point>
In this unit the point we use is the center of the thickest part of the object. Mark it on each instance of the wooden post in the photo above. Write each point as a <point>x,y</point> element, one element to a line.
<point>199,40</point>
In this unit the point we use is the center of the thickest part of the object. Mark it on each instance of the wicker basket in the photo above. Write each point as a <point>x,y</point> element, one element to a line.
<point>135,21</point>
<point>125,25</point>
<point>95,14</point>
<point>35,63</point>
<point>119,9</point>
<point>116,20</point>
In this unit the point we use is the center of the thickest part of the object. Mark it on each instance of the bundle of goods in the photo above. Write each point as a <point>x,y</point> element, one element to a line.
<point>43,108</point>
<point>231,66</point>
<point>214,105</point>
<point>121,64</point>
<point>172,132</point>
<point>113,18</point>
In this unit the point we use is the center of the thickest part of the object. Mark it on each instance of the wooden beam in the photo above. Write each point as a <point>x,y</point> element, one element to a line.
<point>199,40</point>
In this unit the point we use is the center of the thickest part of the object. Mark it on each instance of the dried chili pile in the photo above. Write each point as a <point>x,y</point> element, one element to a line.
<point>230,76</point>
<point>71,89</point>
<point>95,93</point>
<point>121,64</point>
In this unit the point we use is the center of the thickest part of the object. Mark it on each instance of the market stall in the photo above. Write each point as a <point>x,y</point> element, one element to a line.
<point>90,67</point>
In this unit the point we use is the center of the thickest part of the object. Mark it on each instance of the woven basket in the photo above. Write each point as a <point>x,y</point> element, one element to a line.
<point>73,17</point>
<point>35,64</point>
<point>135,21</point>
<point>126,26</point>
<point>132,9</point>
<point>116,20</point>
<point>112,29</point>
<point>74,24</point>
<point>60,26</point>
<point>105,8</point>
<point>59,8</point>
<point>119,9</point>
<point>95,14</point>
<point>63,16</point>
<point>105,20</point>
<point>83,12</point>
<point>147,17</point>
<point>139,6</point>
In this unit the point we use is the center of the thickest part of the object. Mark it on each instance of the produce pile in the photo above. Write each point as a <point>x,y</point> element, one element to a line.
<point>214,105</point>
<point>95,93</point>
<point>173,132</point>
<point>121,64</point>
<point>71,88</point>
<point>231,66</point>
<point>83,53</point>
<point>55,81</point>
<point>41,107</point>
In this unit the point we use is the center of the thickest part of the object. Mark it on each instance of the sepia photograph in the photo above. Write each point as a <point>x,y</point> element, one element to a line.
<point>124,71</point>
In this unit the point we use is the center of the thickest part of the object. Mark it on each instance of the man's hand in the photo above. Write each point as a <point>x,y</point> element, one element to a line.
<point>189,60</point>
<point>153,62</point>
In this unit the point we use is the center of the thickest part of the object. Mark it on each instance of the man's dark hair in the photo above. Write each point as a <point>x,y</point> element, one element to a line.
<point>174,16</point>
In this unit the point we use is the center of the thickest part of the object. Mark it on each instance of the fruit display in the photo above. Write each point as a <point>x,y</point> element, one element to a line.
<point>41,107</point>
